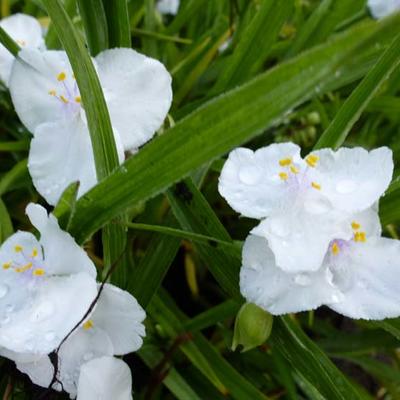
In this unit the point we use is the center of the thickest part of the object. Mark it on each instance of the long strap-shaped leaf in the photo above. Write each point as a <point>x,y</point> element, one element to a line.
<point>222,124</point>
<point>105,153</point>
<point>355,104</point>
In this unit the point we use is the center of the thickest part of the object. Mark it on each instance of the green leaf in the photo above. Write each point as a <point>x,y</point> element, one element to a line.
<point>18,172</point>
<point>119,33</point>
<point>255,43</point>
<point>6,228</point>
<point>65,207</point>
<point>95,24</point>
<point>8,43</point>
<point>222,124</point>
<point>354,105</point>
<point>307,359</point>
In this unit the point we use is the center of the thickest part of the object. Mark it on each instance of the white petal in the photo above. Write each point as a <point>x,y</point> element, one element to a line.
<point>299,235</point>
<point>138,93</point>
<point>39,371</point>
<point>120,315</point>
<point>81,347</point>
<point>168,6</point>
<point>105,378</point>
<point>26,31</point>
<point>354,179</point>
<point>32,78</point>
<point>250,180</point>
<point>382,8</point>
<point>370,280</point>
<point>60,154</point>
<point>48,310</point>
<point>279,292</point>
<point>62,255</point>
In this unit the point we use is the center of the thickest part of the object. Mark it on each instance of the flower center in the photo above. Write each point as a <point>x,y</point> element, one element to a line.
<point>25,263</point>
<point>338,245</point>
<point>66,92</point>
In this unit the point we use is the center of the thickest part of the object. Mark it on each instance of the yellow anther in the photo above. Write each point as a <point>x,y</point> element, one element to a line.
<point>360,237</point>
<point>52,92</point>
<point>315,185</point>
<point>24,268</point>
<point>7,265</point>
<point>63,99</point>
<point>18,248</point>
<point>355,225</point>
<point>88,324</point>
<point>335,249</point>
<point>285,162</point>
<point>34,252</point>
<point>61,76</point>
<point>312,160</point>
<point>38,272</point>
<point>294,169</point>
<point>283,176</point>
<point>78,99</point>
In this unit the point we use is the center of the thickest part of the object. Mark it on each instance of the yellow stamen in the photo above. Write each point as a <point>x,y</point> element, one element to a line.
<point>355,225</point>
<point>18,248</point>
<point>285,162</point>
<point>360,237</point>
<point>88,324</point>
<point>24,268</point>
<point>312,160</point>
<point>61,76</point>
<point>283,176</point>
<point>78,99</point>
<point>52,92</point>
<point>316,185</point>
<point>38,272</point>
<point>63,99</point>
<point>294,169</point>
<point>7,265</point>
<point>335,249</point>
<point>34,252</point>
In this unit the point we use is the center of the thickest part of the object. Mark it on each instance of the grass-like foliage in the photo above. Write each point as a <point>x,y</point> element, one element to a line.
<point>318,73</point>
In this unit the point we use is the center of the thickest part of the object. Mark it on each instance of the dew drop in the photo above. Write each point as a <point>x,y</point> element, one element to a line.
<point>249,175</point>
<point>5,320</point>
<point>317,206</point>
<point>302,280</point>
<point>9,308</point>
<point>43,311</point>
<point>346,186</point>
<point>3,290</point>
<point>279,228</point>
<point>88,356</point>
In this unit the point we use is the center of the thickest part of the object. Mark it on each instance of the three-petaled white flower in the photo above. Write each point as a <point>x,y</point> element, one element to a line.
<point>46,97</point>
<point>306,203</point>
<point>26,32</point>
<point>40,283</point>
<point>382,8</point>
<point>113,328</point>
<point>168,6</point>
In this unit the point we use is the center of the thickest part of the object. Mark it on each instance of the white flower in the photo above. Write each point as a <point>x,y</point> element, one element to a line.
<point>168,6</point>
<point>46,286</point>
<point>114,328</point>
<point>382,8</point>
<point>358,277</point>
<point>46,97</point>
<point>26,31</point>
<point>307,201</point>
<point>105,378</point>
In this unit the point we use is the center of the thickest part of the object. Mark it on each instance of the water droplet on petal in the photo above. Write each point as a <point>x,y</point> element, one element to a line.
<point>43,311</point>
<point>5,320</point>
<point>346,186</point>
<point>88,356</point>
<point>9,308</point>
<point>3,290</point>
<point>317,206</point>
<point>249,175</point>
<point>302,280</point>
<point>279,228</point>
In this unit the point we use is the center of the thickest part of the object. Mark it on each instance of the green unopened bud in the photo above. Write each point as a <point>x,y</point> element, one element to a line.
<point>313,118</point>
<point>253,326</point>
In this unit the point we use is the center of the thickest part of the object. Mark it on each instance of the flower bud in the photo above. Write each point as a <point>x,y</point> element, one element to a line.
<point>253,326</point>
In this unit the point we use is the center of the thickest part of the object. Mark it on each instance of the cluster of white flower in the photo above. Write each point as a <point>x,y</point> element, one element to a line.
<point>319,240</point>
<point>58,324</point>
